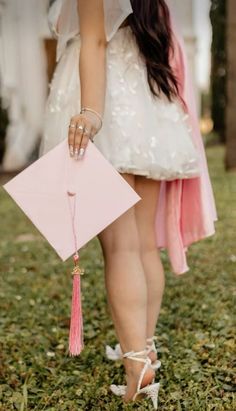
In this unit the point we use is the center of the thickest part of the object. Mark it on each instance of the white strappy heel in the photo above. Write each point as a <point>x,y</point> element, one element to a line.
<point>151,347</point>
<point>150,390</point>
<point>115,354</point>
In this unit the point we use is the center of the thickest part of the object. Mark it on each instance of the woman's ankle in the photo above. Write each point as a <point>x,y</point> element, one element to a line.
<point>133,370</point>
<point>133,377</point>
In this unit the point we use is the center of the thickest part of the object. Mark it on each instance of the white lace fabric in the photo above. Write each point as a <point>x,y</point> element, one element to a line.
<point>140,134</point>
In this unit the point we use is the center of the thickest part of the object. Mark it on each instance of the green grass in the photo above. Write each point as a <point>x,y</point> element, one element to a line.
<point>196,334</point>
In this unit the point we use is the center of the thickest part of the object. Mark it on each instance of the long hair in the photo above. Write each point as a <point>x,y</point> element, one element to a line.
<point>150,24</point>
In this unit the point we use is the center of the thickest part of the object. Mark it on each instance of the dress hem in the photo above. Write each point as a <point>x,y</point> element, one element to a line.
<point>153,176</point>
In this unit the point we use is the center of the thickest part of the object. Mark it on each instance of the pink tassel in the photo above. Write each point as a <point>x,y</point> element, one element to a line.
<point>76,323</point>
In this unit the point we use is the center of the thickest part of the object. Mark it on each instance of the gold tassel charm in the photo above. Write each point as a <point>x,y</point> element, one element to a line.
<point>77,269</point>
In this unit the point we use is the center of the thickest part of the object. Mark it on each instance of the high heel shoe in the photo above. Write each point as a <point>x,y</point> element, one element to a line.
<point>150,390</point>
<point>151,347</point>
<point>115,354</point>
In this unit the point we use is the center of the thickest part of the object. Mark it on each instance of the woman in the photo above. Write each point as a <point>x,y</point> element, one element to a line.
<point>121,82</point>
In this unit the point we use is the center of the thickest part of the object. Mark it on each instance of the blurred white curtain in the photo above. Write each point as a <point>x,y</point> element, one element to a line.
<point>23,80</point>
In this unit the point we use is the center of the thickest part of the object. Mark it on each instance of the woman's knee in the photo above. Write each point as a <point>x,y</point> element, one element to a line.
<point>113,242</point>
<point>148,242</point>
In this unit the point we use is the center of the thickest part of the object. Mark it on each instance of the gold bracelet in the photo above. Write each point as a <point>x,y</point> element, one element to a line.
<point>83,109</point>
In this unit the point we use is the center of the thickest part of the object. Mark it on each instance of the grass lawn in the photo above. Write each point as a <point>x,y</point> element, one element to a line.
<point>195,331</point>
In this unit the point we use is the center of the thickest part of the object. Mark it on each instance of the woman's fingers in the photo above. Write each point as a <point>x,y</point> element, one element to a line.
<point>85,140</point>
<point>78,138</point>
<point>80,131</point>
<point>71,137</point>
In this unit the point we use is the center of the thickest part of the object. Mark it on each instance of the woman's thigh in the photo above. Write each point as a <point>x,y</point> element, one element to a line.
<point>122,234</point>
<point>135,229</point>
<point>145,210</point>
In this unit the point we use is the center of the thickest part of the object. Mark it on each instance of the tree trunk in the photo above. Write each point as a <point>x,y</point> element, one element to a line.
<point>3,125</point>
<point>50,48</point>
<point>230,159</point>
<point>218,67</point>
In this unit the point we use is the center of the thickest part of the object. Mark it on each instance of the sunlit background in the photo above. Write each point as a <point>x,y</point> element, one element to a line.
<point>28,60</point>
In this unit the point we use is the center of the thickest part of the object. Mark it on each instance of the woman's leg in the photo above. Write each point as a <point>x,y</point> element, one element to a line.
<point>126,289</point>
<point>145,211</point>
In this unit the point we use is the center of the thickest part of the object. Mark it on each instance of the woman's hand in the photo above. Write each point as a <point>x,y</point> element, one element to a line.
<point>81,129</point>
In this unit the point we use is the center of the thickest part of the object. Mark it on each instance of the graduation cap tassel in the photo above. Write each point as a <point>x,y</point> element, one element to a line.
<point>76,322</point>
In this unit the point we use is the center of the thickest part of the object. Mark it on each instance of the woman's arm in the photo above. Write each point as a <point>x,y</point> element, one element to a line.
<point>92,54</point>
<point>92,72</point>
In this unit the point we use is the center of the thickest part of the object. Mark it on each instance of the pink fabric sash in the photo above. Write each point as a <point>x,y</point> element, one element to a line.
<point>186,211</point>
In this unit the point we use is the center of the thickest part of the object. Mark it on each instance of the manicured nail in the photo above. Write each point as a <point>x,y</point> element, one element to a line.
<point>76,154</point>
<point>81,152</point>
<point>71,149</point>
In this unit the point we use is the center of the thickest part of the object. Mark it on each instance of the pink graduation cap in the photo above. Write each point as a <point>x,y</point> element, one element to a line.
<point>70,202</point>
